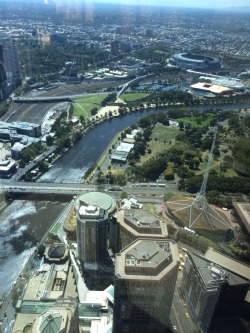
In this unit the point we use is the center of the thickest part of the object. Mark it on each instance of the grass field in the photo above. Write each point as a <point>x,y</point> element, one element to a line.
<point>133,96</point>
<point>164,133</point>
<point>83,106</point>
<point>228,173</point>
<point>192,120</point>
<point>160,137</point>
<point>56,228</point>
<point>161,52</point>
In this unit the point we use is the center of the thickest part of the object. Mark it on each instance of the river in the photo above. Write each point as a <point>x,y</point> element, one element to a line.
<point>22,225</point>
<point>71,167</point>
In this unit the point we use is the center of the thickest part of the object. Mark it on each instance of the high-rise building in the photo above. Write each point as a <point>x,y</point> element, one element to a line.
<point>91,235</point>
<point>114,45</point>
<point>145,278</point>
<point>11,63</point>
<point>206,284</point>
<point>3,76</point>
<point>138,223</point>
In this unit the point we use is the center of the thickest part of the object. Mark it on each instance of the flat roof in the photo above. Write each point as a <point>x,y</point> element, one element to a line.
<point>213,88</point>
<point>147,259</point>
<point>119,156</point>
<point>213,274</point>
<point>142,222</point>
<point>48,282</point>
<point>100,199</point>
<point>233,265</point>
<point>243,210</point>
<point>89,211</point>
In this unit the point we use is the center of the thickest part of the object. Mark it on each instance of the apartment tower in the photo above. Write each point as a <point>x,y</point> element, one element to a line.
<point>145,278</point>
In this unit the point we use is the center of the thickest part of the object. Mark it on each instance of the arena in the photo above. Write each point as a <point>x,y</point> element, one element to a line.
<point>194,61</point>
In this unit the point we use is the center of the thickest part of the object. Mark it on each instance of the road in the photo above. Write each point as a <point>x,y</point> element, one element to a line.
<point>140,190</point>
<point>180,315</point>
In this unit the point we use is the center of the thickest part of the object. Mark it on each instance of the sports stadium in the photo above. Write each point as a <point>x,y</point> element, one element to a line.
<point>194,61</point>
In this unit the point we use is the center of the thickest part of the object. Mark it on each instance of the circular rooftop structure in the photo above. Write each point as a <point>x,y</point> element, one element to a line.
<point>205,220</point>
<point>194,61</point>
<point>100,199</point>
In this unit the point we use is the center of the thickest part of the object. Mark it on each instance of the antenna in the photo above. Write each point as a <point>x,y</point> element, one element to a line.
<point>210,158</point>
<point>72,63</point>
<point>199,212</point>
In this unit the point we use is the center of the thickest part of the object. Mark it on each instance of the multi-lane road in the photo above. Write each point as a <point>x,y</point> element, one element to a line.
<point>137,189</point>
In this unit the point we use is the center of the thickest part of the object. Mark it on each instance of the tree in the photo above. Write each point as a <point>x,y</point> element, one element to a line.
<point>41,250</point>
<point>21,163</point>
<point>94,111</point>
<point>49,140</point>
<point>43,166</point>
<point>123,195</point>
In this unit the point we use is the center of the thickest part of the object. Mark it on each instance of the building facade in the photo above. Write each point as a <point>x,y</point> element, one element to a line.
<point>91,235</point>
<point>10,60</point>
<point>145,278</point>
<point>207,287</point>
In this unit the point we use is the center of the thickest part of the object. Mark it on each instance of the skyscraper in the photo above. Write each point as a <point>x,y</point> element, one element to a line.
<point>207,286</point>
<point>11,63</point>
<point>114,45</point>
<point>3,77</point>
<point>145,278</point>
<point>91,235</point>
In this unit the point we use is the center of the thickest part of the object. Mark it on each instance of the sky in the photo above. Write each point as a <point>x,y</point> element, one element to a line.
<point>216,4</point>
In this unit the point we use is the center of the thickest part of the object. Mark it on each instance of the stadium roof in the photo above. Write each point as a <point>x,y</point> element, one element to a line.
<point>213,88</point>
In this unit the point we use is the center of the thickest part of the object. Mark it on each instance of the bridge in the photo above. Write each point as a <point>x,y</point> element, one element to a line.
<point>126,85</point>
<point>72,189</point>
<point>54,99</point>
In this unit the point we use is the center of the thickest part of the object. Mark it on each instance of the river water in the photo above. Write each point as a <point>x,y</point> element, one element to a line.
<point>22,225</point>
<point>71,167</point>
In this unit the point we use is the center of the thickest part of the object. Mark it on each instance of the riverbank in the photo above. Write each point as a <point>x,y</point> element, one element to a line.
<point>102,163</point>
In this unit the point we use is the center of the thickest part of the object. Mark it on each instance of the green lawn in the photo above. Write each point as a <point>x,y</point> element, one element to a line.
<point>131,97</point>
<point>193,121</point>
<point>228,173</point>
<point>56,228</point>
<point>161,52</point>
<point>83,106</point>
<point>163,133</point>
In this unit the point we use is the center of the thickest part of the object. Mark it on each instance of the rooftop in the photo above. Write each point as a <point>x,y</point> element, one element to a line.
<point>146,258</point>
<point>235,266</point>
<point>212,274</point>
<point>213,88</point>
<point>141,221</point>
<point>100,199</point>
<point>89,212</point>
<point>49,282</point>
<point>243,210</point>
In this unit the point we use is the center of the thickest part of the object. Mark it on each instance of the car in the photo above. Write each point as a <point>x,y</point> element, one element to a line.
<point>187,314</point>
